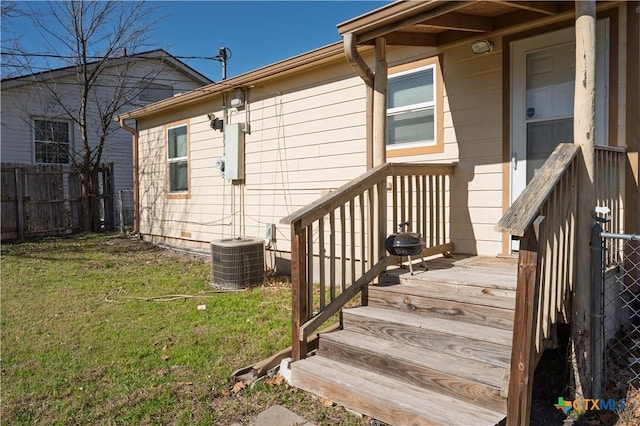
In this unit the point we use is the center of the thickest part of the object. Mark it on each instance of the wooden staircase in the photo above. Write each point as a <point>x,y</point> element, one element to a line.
<point>433,348</point>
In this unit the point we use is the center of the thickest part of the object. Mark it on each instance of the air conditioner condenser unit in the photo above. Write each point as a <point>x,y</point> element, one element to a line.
<point>237,263</point>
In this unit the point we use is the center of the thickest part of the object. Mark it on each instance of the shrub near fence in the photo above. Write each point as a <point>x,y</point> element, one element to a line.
<point>44,200</point>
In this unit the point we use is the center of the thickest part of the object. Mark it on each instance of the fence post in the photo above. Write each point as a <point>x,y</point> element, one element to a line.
<point>597,308</point>
<point>19,203</point>
<point>121,212</point>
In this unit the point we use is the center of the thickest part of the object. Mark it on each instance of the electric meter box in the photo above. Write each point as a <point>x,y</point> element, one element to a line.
<point>234,151</point>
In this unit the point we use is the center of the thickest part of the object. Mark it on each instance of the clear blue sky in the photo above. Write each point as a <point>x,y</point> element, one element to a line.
<point>257,32</point>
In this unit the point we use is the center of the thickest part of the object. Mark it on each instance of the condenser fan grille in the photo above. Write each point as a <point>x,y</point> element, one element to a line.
<point>237,262</point>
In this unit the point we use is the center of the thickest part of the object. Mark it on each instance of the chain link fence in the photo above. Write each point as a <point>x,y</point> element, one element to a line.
<point>124,209</point>
<point>619,317</point>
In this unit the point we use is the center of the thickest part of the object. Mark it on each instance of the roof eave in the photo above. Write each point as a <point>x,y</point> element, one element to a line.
<point>56,73</point>
<point>389,13</point>
<point>278,69</point>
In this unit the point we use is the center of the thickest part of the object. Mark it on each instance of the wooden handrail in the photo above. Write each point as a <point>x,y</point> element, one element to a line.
<point>545,217</point>
<point>336,198</point>
<point>521,377</point>
<point>525,208</point>
<point>356,186</point>
<point>339,239</point>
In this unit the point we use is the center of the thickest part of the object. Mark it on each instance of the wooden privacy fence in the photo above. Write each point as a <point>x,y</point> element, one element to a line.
<point>337,243</point>
<point>45,200</point>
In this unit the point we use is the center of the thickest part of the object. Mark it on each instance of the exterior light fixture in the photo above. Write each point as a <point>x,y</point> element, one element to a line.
<point>215,122</point>
<point>479,47</point>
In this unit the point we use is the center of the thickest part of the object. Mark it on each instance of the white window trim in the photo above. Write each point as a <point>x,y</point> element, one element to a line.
<point>34,141</point>
<point>417,107</point>
<point>177,160</point>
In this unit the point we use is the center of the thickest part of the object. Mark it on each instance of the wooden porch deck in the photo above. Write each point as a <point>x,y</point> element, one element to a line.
<point>432,348</point>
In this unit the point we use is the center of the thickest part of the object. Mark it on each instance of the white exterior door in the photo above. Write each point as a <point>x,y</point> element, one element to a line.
<point>542,82</point>
<point>542,92</point>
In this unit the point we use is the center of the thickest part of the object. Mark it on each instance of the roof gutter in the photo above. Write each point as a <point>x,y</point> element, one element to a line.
<point>136,179</point>
<point>355,60</point>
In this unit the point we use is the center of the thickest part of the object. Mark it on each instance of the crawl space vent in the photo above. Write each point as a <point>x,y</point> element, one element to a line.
<point>237,262</point>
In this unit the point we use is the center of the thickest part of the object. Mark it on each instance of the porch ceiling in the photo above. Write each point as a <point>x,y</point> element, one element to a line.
<point>437,22</point>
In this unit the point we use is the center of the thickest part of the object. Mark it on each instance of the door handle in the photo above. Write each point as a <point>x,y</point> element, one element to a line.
<point>514,162</point>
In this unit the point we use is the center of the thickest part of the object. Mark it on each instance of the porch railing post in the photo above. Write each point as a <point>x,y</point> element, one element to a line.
<point>382,220</point>
<point>583,132</point>
<point>298,290</point>
<point>524,332</point>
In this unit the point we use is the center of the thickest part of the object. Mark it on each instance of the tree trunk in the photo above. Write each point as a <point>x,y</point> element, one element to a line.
<point>88,180</point>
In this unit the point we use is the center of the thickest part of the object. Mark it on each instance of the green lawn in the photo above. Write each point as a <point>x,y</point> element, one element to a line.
<point>79,346</point>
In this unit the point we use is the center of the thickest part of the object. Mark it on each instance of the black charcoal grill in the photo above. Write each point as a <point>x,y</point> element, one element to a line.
<point>405,244</point>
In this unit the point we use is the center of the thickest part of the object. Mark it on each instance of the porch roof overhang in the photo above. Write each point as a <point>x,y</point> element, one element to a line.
<point>439,22</point>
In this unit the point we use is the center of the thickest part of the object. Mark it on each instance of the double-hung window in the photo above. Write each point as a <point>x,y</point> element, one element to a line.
<point>52,141</point>
<point>178,159</point>
<point>413,108</point>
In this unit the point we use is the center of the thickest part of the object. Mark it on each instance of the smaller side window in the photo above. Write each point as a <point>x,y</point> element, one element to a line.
<point>414,109</point>
<point>177,159</point>
<point>51,141</point>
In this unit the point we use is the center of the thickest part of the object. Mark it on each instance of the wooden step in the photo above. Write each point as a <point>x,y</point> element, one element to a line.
<point>495,265</point>
<point>499,276</point>
<point>461,283</point>
<point>384,398</point>
<point>481,343</point>
<point>480,383</point>
<point>446,301</point>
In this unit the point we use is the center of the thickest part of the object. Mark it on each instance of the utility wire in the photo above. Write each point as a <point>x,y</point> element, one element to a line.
<point>132,56</point>
<point>107,86</point>
<point>30,77</point>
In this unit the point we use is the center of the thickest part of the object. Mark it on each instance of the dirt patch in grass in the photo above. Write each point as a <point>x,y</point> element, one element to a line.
<point>86,338</point>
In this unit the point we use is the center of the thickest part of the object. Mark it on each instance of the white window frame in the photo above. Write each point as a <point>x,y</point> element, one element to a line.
<point>417,107</point>
<point>176,160</point>
<point>36,142</point>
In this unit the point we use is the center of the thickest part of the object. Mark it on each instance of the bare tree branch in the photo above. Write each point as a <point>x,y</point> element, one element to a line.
<point>92,38</point>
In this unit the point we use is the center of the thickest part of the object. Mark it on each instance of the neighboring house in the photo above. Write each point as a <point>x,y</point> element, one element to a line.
<point>35,130</point>
<point>442,114</point>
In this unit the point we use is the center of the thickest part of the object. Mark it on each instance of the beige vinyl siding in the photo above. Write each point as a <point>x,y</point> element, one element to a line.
<point>475,123</point>
<point>306,141</point>
<point>472,139</point>
<point>307,137</point>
